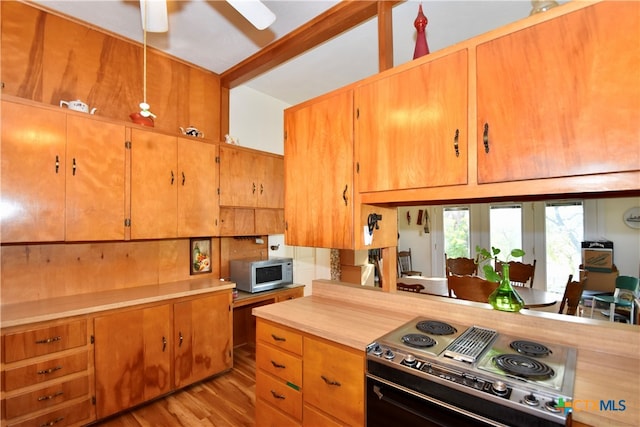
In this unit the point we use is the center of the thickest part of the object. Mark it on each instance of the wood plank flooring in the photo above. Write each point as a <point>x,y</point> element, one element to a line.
<point>227,400</point>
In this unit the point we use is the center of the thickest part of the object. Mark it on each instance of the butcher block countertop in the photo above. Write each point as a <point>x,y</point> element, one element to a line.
<point>608,367</point>
<point>91,303</point>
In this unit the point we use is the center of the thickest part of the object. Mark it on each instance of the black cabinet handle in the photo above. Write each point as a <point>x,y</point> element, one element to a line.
<point>180,339</point>
<point>485,137</point>
<point>253,190</point>
<point>51,396</point>
<point>276,395</point>
<point>455,142</point>
<point>277,338</point>
<point>49,340</point>
<point>344,194</point>
<point>74,167</point>
<point>277,365</point>
<point>164,344</point>
<point>52,422</point>
<point>183,179</point>
<point>50,370</point>
<point>57,164</point>
<point>330,382</point>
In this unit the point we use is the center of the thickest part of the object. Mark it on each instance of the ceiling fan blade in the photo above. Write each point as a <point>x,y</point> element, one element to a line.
<point>154,16</point>
<point>254,11</point>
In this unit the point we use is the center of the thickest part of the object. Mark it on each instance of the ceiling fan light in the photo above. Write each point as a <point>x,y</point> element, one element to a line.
<point>154,12</point>
<point>255,12</point>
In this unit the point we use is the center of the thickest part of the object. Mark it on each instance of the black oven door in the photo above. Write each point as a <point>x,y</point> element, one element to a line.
<point>391,406</point>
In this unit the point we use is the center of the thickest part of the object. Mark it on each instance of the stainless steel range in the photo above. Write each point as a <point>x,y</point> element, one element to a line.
<point>430,372</point>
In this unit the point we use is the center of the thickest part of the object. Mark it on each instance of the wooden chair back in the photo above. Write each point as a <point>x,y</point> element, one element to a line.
<point>405,266</point>
<point>409,287</point>
<point>572,295</point>
<point>461,266</point>
<point>520,274</point>
<point>471,288</point>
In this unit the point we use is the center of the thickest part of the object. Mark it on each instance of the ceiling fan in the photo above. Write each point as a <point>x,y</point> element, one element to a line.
<point>154,17</point>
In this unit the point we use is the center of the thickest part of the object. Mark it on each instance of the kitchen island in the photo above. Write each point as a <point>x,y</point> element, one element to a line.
<point>352,316</point>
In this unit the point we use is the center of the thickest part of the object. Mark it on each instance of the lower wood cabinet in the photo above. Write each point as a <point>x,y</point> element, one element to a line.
<point>47,376</point>
<point>143,353</point>
<point>305,380</point>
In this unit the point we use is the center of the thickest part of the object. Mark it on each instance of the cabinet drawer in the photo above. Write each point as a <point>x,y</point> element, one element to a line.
<point>313,418</point>
<point>279,394</point>
<point>281,364</point>
<point>74,414</point>
<point>46,397</point>
<point>333,380</point>
<point>44,371</point>
<point>38,342</point>
<point>268,416</point>
<point>279,337</point>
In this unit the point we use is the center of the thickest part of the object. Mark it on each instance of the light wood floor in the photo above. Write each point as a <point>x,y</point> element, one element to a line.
<point>226,400</point>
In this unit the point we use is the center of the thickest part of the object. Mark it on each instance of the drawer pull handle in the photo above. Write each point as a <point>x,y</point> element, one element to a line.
<point>49,340</point>
<point>52,422</point>
<point>330,382</point>
<point>276,395</point>
<point>50,370</point>
<point>277,365</point>
<point>277,338</point>
<point>485,137</point>
<point>51,396</point>
<point>164,344</point>
<point>180,339</point>
<point>455,143</point>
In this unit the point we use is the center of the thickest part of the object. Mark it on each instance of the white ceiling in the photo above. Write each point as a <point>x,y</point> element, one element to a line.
<point>213,35</point>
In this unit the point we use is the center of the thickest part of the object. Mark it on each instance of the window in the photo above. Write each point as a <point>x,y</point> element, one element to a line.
<point>564,231</point>
<point>505,228</point>
<point>456,232</point>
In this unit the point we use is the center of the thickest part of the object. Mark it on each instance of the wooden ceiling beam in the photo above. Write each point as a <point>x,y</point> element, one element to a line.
<point>340,18</point>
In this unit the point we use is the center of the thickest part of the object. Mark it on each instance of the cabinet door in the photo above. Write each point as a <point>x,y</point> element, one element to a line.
<point>411,130</point>
<point>132,358</point>
<point>271,182</point>
<point>154,184</point>
<point>269,221</point>
<point>33,173</point>
<point>318,166</point>
<point>203,337</point>
<point>197,189</point>
<point>561,98</point>
<point>95,205</point>
<point>238,181</point>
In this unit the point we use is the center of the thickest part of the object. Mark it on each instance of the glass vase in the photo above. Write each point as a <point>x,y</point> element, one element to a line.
<point>505,298</point>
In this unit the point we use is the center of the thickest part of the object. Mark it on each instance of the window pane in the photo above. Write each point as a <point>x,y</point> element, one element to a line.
<point>564,228</point>
<point>456,232</point>
<point>505,228</point>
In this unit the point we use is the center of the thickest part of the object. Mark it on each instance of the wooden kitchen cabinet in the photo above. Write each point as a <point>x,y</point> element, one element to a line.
<point>571,104</point>
<point>321,209</point>
<point>318,147</point>
<point>333,378</point>
<point>202,331</point>
<point>47,374</point>
<point>411,127</point>
<point>63,176</point>
<point>173,186</point>
<point>251,222</point>
<point>278,375</point>
<point>250,178</point>
<point>132,357</point>
<point>145,352</point>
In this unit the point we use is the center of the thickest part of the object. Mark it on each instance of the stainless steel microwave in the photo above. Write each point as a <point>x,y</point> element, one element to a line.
<point>251,275</point>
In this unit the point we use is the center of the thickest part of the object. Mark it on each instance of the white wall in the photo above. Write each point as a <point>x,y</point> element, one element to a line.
<point>256,121</point>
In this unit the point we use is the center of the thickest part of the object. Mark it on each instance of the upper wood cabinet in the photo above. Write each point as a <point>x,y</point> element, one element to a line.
<point>250,178</point>
<point>63,176</point>
<point>319,208</point>
<point>173,186</point>
<point>561,98</point>
<point>411,127</point>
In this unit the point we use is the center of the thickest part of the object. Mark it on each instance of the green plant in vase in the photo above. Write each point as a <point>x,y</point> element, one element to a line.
<point>505,297</point>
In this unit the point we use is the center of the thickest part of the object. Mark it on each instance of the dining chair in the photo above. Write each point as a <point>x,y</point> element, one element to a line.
<point>572,295</point>
<point>409,287</point>
<point>623,297</point>
<point>461,266</point>
<point>405,267</point>
<point>520,274</point>
<point>471,288</point>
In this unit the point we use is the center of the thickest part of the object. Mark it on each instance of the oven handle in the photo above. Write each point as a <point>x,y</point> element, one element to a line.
<point>378,391</point>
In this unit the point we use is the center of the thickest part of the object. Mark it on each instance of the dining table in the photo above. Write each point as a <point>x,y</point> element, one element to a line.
<point>533,298</point>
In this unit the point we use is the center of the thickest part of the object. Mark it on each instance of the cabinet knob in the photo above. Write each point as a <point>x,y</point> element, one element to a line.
<point>180,339</point>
